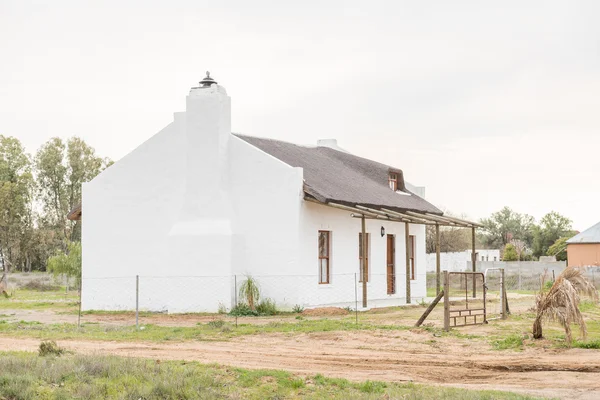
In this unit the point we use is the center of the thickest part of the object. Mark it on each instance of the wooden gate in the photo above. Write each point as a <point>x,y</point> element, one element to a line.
<point>464,299</point>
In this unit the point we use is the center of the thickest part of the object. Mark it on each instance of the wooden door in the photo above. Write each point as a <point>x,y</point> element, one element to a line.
<point>391,264</point>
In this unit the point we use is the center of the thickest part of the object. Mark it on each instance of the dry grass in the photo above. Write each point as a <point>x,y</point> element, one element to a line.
<point>561,303</point>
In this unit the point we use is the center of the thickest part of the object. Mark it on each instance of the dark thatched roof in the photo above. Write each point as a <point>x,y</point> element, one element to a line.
<point>339,177</point>
<point>75,213</point>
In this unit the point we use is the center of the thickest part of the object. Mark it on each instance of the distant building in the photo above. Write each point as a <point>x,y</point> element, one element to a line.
<point>457,261</point>
<point>584,248</point>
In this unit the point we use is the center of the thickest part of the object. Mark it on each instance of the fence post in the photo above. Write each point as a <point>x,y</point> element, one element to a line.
<point>503,293</point>
<point>137,302</point>
<point>355,298</point>
<point>235,297</point>
<point>446,302</point>
<point>519,276</point>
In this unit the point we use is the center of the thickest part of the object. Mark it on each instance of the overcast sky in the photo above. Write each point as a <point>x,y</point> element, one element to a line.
<point>486,104</point>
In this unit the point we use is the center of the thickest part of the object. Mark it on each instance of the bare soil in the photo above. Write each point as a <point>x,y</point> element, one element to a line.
<point>394,356</point>
<point>325,311</point>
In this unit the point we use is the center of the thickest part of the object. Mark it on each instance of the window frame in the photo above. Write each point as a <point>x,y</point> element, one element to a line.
<point>393,181</point>
<point>326,257</point>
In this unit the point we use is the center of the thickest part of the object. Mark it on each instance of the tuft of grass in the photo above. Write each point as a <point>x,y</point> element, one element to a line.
<point>50,348</point>
<point>266,307</point>
<point>297,309</point>
<point>592,344</point>
<point>218,323</point>
<point>511,342</point>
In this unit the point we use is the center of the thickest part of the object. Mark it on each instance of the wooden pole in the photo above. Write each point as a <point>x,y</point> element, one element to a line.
<point>363,259</point>
<point>474,261</point>
<point>503,294</point>
<point>446,302</point>
<point>430,308</point>
<point>437,259</point>
<point>407,244</point>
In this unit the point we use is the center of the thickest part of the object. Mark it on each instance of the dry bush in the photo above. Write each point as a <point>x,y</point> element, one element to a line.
<point>40,285</point>
<point>561,302</point>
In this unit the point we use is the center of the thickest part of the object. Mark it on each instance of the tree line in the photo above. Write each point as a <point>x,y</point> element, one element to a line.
<point>518,235</point>
<point>36,194</point>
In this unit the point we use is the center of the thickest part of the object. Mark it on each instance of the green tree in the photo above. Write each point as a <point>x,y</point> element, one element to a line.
<point>61,169</point>
<point>510,253</point>
<point>506,225</point>
<point>68,263</point>
<point>559,248</point>
<point>552,227</point>
<point>16,183</point>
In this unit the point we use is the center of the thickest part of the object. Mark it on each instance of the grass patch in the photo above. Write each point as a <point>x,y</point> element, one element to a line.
<point>592,344</point>
<point>50,348</point>
<point>211,331</point>
<point>26,377</point>
<point>511,342</point>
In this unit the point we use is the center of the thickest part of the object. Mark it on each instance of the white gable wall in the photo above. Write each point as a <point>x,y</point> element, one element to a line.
<point>128,213</point>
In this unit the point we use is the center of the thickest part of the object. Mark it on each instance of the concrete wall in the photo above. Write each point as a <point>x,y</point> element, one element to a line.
<point>457,261</point>
<point>583,254</point>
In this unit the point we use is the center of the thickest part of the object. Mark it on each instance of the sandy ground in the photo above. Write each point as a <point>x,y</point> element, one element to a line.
<point>415,356</point>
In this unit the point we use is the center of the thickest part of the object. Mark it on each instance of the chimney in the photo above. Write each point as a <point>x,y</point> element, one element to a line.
<point>207,131</point>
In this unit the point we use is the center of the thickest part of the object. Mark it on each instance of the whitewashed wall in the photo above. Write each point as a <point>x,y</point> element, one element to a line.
<point>457,261</point>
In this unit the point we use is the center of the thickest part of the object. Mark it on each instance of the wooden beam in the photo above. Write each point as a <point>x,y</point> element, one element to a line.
<point>438,263</point>
<point>433,218</point>
<point>446,302</point>
<point>407,243</point>
<point>459,220</point>
<point>408,218</point>
<point>352,209</point>
<point>362,261</point>
<point>430,309</point>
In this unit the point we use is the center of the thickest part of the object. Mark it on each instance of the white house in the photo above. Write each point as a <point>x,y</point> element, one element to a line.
<point>196,208</point>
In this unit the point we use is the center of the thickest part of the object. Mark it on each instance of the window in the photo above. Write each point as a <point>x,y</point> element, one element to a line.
<point>360,278</point>
<point>411,256</point>
<point>393,181</point>
<point>324,256</point>
<point>495,259</point>
<point>482,258</point>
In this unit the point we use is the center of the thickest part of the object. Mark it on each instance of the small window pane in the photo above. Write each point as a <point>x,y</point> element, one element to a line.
<point>323,268</point>
<point>323,244</point>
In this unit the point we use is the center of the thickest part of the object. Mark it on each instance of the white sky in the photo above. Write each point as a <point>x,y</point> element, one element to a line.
<point>487,104</point>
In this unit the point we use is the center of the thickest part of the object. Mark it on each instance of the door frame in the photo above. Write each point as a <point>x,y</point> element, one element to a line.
<point>390,267</point>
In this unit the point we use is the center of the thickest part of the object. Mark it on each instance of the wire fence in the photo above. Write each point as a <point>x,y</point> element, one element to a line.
<point>222,294</point>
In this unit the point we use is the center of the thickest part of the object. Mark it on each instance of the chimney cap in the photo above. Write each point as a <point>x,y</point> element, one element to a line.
<point>207,81</point>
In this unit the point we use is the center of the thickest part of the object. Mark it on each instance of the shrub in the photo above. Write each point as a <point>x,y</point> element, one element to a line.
<point>243,310</point>
<point>222,309</point>
<point>266,307</point>
<point>218,323</point>
<point>298,309</point>
<point>250,291</point>
<point>511,342</point>
<point>40,285</point>
<point>50,348</point>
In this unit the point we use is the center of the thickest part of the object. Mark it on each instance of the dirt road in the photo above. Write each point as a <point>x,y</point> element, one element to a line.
<point>379,355</point>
